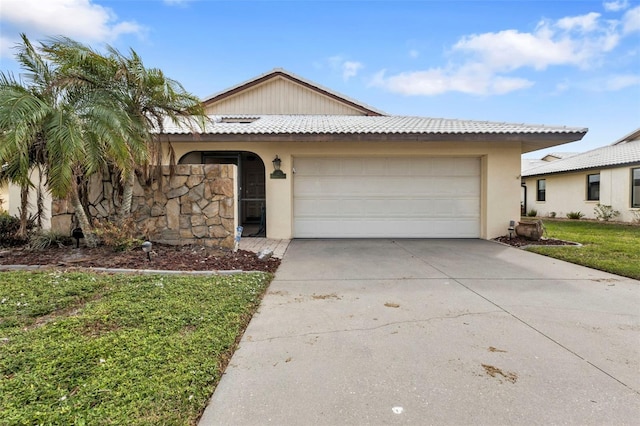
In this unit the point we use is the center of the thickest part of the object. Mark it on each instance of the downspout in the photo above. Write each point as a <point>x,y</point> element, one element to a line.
<point>523,210</point>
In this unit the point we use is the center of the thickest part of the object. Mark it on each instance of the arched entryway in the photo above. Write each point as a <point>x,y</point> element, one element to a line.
<point>251,185</point>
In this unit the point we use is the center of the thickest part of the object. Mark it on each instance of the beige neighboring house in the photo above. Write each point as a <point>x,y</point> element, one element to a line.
<point>608,175</point>
<point>348,170</point>
<point>351,171</point>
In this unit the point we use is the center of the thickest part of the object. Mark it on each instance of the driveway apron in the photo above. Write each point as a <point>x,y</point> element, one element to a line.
<point>368,332</point>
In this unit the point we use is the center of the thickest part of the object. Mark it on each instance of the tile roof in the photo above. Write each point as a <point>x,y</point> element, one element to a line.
<point>603,157</point>
<point>371,125</point>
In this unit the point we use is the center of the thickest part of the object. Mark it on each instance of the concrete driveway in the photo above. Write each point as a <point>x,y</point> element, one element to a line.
<point>435,332</point>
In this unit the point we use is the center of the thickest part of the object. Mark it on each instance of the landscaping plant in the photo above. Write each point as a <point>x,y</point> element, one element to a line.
<point>605,213</point>
<point>575,215</point>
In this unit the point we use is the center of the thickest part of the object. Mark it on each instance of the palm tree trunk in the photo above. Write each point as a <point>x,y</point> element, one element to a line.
<point>24,211</point>
<point>127,195</point>
<point>90,238</point>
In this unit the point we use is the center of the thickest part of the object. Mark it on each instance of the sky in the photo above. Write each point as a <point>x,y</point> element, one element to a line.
<point>563,62</point>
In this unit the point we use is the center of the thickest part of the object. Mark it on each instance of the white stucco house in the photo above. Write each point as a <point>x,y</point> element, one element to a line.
<point>348,170</point>
<point>609,175</point>
<point>351,171</point>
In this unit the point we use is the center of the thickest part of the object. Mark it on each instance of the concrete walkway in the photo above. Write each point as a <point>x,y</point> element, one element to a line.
<point>256,245</point>
<point>434,332</point>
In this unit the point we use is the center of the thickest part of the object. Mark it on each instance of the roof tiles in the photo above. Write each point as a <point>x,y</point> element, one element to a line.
<point>349,124</point>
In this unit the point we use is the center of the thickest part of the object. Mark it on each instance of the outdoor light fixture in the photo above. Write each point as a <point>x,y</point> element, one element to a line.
<point>277,173</point>
<point>146,247</point>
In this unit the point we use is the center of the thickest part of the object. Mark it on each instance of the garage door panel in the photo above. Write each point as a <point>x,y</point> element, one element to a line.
<point>387,197</point>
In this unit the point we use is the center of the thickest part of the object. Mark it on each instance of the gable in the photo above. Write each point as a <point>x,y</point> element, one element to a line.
<point>282,93</point>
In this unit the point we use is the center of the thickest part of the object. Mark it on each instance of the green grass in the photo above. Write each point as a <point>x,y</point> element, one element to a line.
<point>608,247</point>
<point>79,348</point>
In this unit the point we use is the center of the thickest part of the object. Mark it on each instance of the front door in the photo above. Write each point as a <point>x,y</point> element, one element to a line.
<point>251,188</point>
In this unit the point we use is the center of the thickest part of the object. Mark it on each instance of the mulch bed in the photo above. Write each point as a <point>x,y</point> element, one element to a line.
<point>164,257</point>
<point>518,241</point>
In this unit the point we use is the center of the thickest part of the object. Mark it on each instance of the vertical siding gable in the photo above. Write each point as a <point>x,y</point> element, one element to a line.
<point>280,96</point>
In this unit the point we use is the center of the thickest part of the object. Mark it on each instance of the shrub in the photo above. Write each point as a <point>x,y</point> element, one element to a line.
<point>604,212</point>
<point>532,213</point>
<point>575,215</point>
<point>552,214</point>
<point>44,239</point>
<point>121,235</point>
<point>9,226</point>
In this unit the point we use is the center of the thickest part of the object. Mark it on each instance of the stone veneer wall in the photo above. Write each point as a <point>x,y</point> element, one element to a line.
<point>195,206</point>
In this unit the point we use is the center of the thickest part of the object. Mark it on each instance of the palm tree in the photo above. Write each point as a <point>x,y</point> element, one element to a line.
<point>74,131</point>
<point>145,95</point>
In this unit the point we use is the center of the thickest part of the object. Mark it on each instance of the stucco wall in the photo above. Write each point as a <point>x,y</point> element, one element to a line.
<point>500,180</point>
<point>567,192</point>
<point>11,198</point>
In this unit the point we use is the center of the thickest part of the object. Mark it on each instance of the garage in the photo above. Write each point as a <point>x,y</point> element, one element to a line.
<point>390,197</point>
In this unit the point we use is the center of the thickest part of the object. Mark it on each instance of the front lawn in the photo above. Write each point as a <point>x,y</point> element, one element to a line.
<point>609,247</point>
<point>81,348</point>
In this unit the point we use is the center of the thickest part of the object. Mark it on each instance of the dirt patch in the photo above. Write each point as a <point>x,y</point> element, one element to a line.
<point>164,257</point>
<point>325,296</point>
<point>495,371</point>
<point>391,305</point>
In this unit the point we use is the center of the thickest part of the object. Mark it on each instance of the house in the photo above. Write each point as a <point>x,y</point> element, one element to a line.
<point>312,163</point>
<point>609,175</point>
<point>348,170</point>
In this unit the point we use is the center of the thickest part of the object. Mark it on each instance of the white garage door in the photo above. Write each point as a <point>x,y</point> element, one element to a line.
<point>386,197</point>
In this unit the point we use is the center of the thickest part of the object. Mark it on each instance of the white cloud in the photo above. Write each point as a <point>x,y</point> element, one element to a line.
<point>481,64</point>
<point>616,5</point>
<point>177,2</point>
<point>437,81</point>
<point>79,19</point>
<point>348,69</point>
<point>631,21</point>
<point>619,82</point>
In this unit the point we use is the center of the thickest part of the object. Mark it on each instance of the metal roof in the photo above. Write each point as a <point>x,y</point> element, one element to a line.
<point>603,157</point>
<point>364,125</point>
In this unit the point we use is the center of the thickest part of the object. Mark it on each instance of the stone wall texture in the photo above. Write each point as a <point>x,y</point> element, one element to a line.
<point>194,206</point>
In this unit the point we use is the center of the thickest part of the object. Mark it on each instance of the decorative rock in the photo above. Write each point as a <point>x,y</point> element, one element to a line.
<point>173,214</point>
<point>177,192</point>
<point>530,230</point>
<point>199,231</point>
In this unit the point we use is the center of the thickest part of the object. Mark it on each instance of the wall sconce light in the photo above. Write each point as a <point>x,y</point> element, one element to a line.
<point>277,173</point>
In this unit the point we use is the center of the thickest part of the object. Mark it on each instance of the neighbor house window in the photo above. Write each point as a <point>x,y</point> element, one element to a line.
<point>541,187</point>
<point>635,187</point>
<point>593,187</point>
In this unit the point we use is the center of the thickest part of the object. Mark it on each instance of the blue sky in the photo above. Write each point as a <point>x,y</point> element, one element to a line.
<point>574,63</point>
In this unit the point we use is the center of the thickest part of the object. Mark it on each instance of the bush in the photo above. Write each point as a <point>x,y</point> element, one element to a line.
<point>9,226</point>
<point>604,212</point>
<point>532,213</point>
<point>575,215</point>
<point>44,239</point>
<point>552,214</point>
<point>121,235</point>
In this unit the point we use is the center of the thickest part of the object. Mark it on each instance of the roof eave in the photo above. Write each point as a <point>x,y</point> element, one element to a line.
<point>530,142</point>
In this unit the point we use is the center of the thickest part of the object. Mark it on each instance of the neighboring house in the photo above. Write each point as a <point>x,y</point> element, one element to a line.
<point>348,170</point>
<point>609,175</point>
<point>351,171</point>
